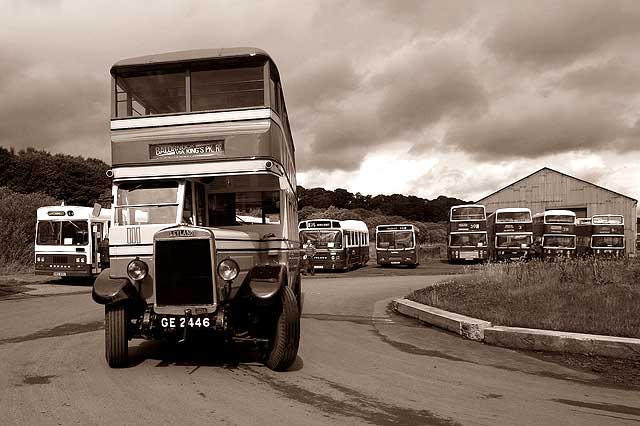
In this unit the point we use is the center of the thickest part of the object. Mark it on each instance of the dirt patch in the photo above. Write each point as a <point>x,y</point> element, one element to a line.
<point>624,373</point>
<point>36,380</point>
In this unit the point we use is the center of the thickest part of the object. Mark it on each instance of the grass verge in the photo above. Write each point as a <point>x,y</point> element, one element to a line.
<point>582,295</point>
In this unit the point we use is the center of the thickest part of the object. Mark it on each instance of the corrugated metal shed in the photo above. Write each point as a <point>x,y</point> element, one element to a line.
<point>549,189</point>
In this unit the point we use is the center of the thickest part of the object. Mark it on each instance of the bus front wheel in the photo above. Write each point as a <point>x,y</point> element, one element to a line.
<point>283,344</point>
<point>115,332</point>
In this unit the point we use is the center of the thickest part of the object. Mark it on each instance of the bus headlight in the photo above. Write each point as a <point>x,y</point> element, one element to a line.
<point>137,270</point>
<point>228,269</point>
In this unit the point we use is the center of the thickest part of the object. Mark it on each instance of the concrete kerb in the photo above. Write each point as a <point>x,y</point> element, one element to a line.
<point>470,328</point>
<point>521,338</point>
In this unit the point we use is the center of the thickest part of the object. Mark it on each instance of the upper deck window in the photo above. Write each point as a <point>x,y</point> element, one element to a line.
<point>560,218</point>
<point>150,93</point>
<point>468,213</point>
<point>513,217</point>
<point>227,88</point>
<point>189,88</point>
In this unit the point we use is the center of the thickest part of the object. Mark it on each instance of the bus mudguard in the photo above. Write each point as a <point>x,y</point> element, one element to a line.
<point>266,281</point>
<point>108,290</point>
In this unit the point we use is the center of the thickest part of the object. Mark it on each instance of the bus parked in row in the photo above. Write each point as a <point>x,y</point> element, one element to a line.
<point>467,233</point>
<point>510,233</point>
<point>397,245</point>
<point>70,241</point>
<point>555,232</point>
<point>340,244</point>
<point>601,235</point>
<point>205,232</point>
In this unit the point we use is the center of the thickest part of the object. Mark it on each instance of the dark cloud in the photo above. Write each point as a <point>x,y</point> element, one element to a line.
<point>541,128</point>
<point>396,104</point>
<point>64,110</point>
<point>618,77</point>
<point>551,32</point>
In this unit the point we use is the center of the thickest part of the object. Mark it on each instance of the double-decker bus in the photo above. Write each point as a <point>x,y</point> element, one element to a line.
<point>340,244</point>
<point>583,236</point>
<point>397,245</point>
<point>607,235</point>
<point>555,230</point>
<point>467,233</point>
<point>205,230</point>
<point>510,232</point>
<point>69,241</point>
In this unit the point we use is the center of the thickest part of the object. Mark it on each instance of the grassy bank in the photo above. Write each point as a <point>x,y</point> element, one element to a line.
<point>585,296</point>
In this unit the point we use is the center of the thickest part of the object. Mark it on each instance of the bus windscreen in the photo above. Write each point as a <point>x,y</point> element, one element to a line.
<point>559,241</point>
<point>147,202</point>
<point>322,239</point>
<point>468,240</point>
<point>67,233</point>
<point>607,241</point>
<point>395,240</point>
<point>518,241</point>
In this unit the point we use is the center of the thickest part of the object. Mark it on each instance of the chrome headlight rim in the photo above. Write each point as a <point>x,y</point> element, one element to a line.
<point>228,269</point>
<point>137,269</point>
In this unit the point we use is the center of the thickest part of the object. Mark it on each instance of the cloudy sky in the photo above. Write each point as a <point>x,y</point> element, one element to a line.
<point>400,96</point>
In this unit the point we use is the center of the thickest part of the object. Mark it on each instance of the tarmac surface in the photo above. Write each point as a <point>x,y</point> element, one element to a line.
<point>358,364</point>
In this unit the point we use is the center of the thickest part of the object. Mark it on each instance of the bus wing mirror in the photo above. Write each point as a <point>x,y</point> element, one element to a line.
<point>97,208</point>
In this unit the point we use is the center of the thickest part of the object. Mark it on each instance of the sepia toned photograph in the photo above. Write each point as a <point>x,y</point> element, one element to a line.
<point>359,212</point>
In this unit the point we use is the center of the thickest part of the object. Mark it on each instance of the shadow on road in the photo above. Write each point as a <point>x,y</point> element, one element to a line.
<point>199,352</point>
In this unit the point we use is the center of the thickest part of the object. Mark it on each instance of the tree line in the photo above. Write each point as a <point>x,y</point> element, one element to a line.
<point>409,207</point>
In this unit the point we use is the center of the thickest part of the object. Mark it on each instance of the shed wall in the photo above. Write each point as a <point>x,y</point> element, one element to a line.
<point>548,189</point>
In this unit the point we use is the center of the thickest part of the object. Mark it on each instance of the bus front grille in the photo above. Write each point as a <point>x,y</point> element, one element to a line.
<point>183,272</point>
<point>60,259</point>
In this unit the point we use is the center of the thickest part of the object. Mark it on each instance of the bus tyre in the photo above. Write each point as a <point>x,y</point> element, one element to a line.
<point>115,331</point>
<point>283,345</point>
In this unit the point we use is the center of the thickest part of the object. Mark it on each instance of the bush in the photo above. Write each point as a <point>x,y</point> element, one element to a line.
<point>17,228</point>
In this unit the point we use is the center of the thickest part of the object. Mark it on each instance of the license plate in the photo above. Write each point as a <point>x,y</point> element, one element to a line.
<point>59,274</point>
<point>395,263</point>
<point>318,267</point>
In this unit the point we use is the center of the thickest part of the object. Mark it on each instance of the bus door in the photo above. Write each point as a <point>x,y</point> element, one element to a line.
<point>97,236</point>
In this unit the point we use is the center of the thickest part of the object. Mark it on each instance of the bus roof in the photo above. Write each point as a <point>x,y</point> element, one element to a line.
<point>348,225</point>
<point>395,227</point>
<point>513,210</point>
<point>70,212</point>
<point>560,213</point>
<point>191,56</point>
<point>467,205</point>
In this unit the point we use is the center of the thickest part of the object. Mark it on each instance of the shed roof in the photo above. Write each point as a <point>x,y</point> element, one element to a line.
<point>563,174</point>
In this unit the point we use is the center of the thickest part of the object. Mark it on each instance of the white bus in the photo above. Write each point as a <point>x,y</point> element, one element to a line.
<point>340,244</point>
<point>69,239</point>
<point>205,226</point>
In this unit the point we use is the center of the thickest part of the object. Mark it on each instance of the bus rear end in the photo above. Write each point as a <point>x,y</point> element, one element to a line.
<point>467,233</point>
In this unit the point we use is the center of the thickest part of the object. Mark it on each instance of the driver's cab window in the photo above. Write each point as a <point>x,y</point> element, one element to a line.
<point>187,211</point>
<point>244,200</point>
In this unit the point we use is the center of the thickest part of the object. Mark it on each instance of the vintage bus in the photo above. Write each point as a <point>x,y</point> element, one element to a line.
<point>555,231</point>
<point>205,230</point>
<point>340,244</point>
<point>70,240</point>
<point>607,235</point>
<point>467,233</point>
<point>397,245</point>
<point>583,236</point>
<point>510,233</point>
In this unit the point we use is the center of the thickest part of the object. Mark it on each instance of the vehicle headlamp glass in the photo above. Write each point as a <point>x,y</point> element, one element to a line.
<point>228,269</point>
<point>137,269</point>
